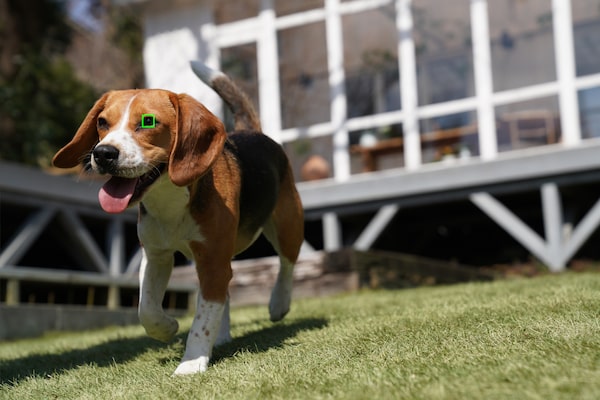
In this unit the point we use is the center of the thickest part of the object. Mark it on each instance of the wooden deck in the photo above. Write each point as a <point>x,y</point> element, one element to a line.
<point>52,215</point>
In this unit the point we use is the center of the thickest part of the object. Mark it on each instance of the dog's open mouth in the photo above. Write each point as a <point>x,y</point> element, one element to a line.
<point>118,193</point>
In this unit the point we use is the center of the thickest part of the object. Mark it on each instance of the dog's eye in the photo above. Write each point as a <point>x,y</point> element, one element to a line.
<point>102,123</point>
<point>147,123</point>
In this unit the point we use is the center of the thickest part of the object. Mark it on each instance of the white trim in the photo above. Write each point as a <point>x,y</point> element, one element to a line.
<point>565,71</point>
<point>299,19</point>
<point>374,120</point>
<point>449,107</point>
<point>237,33</point>
<point>525,93</point>
<point>587,81</point>
<point>311,131</point>
<point>268,72</point>
<point>357,6</point>
<point>482,64</point>
<point>408,84</point>
<point>319,14</point>
<point>337,90</point>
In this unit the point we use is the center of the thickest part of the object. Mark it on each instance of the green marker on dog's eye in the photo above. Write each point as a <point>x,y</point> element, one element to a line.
<point>148,121</point>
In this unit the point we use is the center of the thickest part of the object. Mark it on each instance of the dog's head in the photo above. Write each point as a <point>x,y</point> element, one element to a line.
<point>133,135</point>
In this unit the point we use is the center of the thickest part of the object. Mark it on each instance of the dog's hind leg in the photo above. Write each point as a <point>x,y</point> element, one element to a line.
<point>155,272</point>
<point>285,232</point>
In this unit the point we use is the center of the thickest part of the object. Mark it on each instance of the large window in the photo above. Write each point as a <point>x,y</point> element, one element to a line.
<point>239,62</point>
<point>444,52</point>
<point>586,31</point>
<point>424,80</point>
<point>303,76</point>
<point>522,43</point>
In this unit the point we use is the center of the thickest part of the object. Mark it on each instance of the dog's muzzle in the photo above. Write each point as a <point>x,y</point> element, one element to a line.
<point>106,157</point>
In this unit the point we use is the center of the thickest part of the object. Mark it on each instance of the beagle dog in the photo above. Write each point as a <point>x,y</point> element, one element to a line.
<point>200,191</point>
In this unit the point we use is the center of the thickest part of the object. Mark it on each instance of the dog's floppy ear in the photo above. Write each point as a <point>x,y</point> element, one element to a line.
<point>197,140</point>
<point>84,140</point>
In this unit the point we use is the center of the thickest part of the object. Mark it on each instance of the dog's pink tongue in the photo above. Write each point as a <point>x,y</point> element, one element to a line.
<point>115,194</point>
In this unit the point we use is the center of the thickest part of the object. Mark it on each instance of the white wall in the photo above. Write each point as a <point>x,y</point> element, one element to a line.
<point>174,36</point>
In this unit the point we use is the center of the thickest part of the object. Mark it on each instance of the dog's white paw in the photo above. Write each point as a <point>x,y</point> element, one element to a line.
<point>194,366</point>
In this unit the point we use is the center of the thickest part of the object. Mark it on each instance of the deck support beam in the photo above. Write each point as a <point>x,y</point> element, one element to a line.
<point>557,248</point>
<point>26,236</point>
<point>376,226</point>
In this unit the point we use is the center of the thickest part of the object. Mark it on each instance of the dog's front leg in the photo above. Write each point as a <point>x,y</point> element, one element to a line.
<point>214,273</point>
<point>155,272</point>
<point>202,337</point>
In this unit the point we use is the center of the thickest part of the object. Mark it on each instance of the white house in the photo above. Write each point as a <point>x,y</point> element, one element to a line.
<point>451,127</point>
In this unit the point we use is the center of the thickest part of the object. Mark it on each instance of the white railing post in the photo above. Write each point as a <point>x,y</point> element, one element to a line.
<point>408,84</point>
<point>337,90</point>
<point>268,72</point>
<point>565,70</point>
<point>482,64</point>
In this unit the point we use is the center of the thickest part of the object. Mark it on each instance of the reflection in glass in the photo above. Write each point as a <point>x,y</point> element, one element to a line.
<point>589,105</point>
<point>303,74</point>
<point>239,62</point>
<point>442,36</point>
<point>528,124</point>
<point>371,62</point>
<point>304,151</point>
<point>522,43</point>
<point>376,149</point>
<point>449,137</point>
<point>586,31</point>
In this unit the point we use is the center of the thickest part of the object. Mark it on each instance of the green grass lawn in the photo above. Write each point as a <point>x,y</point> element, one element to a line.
<point>515,339</point>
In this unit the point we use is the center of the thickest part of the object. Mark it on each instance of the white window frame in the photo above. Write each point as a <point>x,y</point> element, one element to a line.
<point>263,30</point>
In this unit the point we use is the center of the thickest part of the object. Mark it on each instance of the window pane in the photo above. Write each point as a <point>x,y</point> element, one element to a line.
<point>239,62</point>
<point>311,159</point>
<point>589,105</point>
<point>586,34</point>
<point>528,123</point>
<point>522,43</point>
<point>449,137</point>
<point>303,75</point>
<point>376,149</point>
<point>230,11</point>
<point>442,36</point>
<point>371,62</point>
<point>285,7</point>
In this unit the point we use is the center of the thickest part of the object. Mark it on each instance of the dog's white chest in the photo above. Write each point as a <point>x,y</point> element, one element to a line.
<point>165,221</point>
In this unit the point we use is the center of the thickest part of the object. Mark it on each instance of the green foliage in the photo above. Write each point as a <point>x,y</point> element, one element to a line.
<point>45,103</point>
<point>519,339</point>
<point>42,102</point>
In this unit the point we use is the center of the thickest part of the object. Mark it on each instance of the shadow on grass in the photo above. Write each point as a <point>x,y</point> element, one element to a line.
<point>122,350</point>
<point>267,338</point>
<point>101,355</point>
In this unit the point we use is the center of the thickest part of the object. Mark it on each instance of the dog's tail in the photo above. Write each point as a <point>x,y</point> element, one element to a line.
<point>244,115</point>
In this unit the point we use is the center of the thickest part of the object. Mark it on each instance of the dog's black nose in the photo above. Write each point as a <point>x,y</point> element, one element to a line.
<point>105,156</point>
